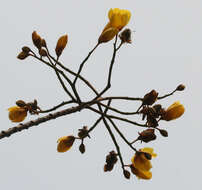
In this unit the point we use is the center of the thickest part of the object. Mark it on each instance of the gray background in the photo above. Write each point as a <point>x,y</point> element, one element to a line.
<point>165,52</point>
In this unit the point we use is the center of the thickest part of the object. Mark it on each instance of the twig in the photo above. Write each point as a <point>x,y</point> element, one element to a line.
<point>116,117</point>
<point>161,97</point>
<point>82,64</point>
<point>120,133</point>
<point>112,136</point>
<point>110,71</point>
<point>118,111</point>
<point>56,107</point>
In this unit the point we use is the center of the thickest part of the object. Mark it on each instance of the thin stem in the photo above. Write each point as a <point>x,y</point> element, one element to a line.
<point>75,74</point>
<point>118,111</point>
<point>61,72</point>
<point>161,97</point>
<point>121,134</point>
<point>110,71</point>
<point>113,137</point>
<point>82,64</point>
<point>60,79</point>
<point>56,107</point>
<point>116,117</point>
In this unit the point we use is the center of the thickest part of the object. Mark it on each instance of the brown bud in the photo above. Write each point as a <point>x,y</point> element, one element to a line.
<point>26,49</point>
<point>147,135</point>
<point>22,55</point>
<point>43,43</point>
<point>181,87</point>
<point>163,132</point>
<point>36,40</point>
<point>126,174</point>
<point>20,103</point>
<point>61,44</point>
<point>82,148</point>
<point>43,52</point>
<point>125,36</point>
<point>150,98</point>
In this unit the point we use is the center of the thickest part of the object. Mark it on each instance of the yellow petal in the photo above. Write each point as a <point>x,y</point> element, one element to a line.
<point>174,111</point>
<point>141,174</point>
<point>17,114</point>
<point>140,162</point>
<point>149,150</point>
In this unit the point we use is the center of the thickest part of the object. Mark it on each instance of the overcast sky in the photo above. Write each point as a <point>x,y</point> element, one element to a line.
<point>165,52</point>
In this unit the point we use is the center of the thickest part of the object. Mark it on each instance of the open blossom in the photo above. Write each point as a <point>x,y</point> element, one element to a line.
<point>17,114</point>
<point>141,165</point>
<point>174,111</point>
<point>118,18</point>
<point>65,143</point>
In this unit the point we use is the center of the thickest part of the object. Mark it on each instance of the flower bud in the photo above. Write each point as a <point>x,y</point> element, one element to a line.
<point>163,132</point>
<point>20,103</point>
<point>26,49</point>
<point>82,148</point>
<point>174,111</point>
<point>22,55</point>
<point>65,143</point>
<point>43,52</point>
<point>108,35</point>
<point>36,40</point>
<point>126,174</point>
<point>181,87</point>
<point>150,98</point>
<point>61,44</point>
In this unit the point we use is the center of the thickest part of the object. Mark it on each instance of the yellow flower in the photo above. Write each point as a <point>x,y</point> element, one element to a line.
<point>174,111</point>
<point>117,20</point>
<point>17,114</point>
<point>65,143</point>
<point>141,164</point>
